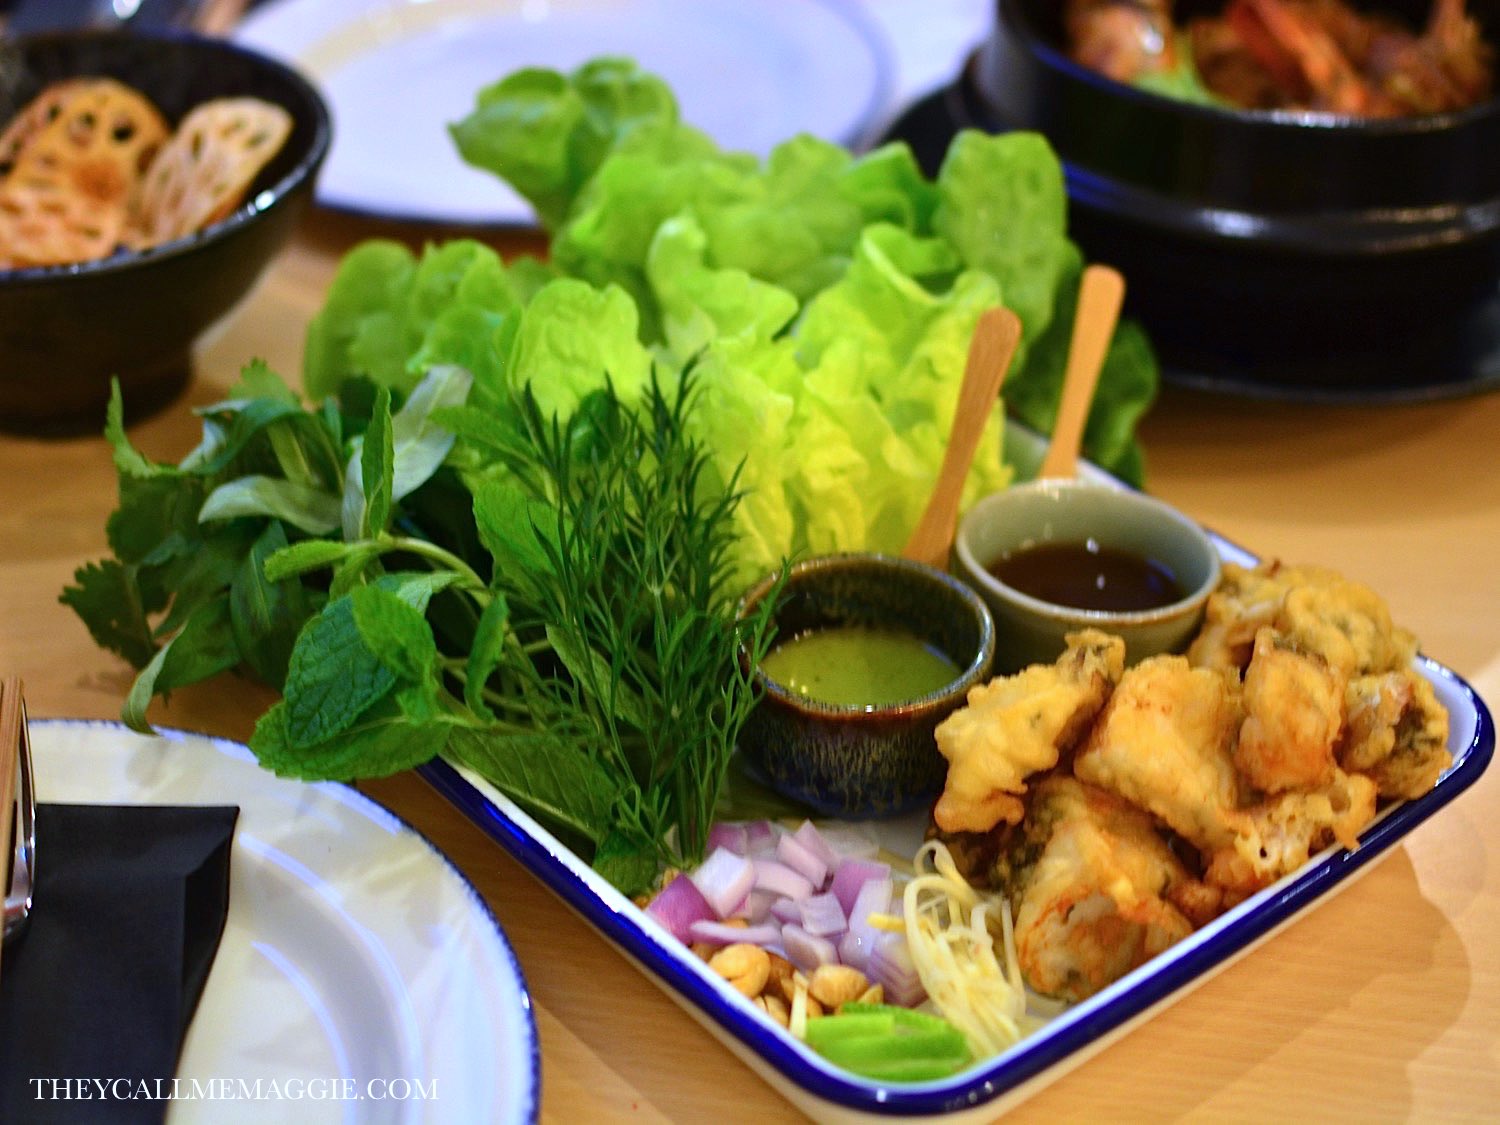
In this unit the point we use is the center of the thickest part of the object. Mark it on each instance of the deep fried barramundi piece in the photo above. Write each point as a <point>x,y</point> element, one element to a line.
<point>1095,889</point>
<point>1277,836</point>
<point>1317,610</point>
<point>1294,714</point>
<point>1016,726</point>
<point>1165,742</point>
<point>1396,733</point>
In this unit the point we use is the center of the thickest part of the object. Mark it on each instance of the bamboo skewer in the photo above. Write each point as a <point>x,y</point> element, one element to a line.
<point>991,350</point>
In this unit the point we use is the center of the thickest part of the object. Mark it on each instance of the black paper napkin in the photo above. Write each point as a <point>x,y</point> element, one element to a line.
<point>129,903</point>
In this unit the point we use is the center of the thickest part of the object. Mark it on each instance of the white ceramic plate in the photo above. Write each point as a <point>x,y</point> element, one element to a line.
<point>989,1088</point>
<point>396,72</point>
<point>353,951</point>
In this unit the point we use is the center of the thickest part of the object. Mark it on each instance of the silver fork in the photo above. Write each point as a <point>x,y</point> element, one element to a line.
<point>15,738</point>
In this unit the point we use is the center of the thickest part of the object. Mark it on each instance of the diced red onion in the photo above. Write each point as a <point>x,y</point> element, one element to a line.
<point>760,837</point>
<point>721,933</point>
<point>778,878</point>
<point>822,916</point>
<point>725,879</point>
<point>787,910</point>
<point>807,951</point>
<point>809,837</point>
<point>728,834</point>
<point>891,967</point>
<point>679,905</point>
<point>802,860</point>
<point>757,906</point>
<point>874,897</point>
<point>851,874</point>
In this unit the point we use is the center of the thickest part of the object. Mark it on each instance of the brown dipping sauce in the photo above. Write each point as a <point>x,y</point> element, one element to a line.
<point>1088,575</point>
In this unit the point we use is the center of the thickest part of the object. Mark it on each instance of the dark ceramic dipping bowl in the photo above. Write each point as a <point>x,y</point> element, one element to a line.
<point>1287,255</point>
<point>859,760</point>
<point>65,330</point>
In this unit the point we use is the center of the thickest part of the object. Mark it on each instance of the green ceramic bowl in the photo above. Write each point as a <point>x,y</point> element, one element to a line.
<point>1029,629</point>
<point>863,760</point>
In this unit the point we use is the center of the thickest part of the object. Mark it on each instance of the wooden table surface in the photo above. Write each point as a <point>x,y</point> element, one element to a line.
<point>1382,1004</point>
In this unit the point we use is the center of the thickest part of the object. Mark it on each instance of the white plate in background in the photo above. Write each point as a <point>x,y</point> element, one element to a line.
<point>750,73</point>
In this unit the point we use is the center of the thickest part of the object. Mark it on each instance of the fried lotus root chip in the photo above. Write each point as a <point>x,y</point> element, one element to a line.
<point>203,172</point>
<point>34,116</point>
<point>67,198</point>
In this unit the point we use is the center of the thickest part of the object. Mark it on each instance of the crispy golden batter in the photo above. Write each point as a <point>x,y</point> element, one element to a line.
<point>1019,725</point>
<point>1294,713</point>
<point>1277,836</point>
<point>1164,742</point>
<point>1318,610</point>
<point>1397,733</point>
<point>1091,883</point>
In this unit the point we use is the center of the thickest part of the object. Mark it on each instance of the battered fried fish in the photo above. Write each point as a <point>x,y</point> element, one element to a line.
<point>1092,886</point>
<point>1397,733</point>
<point>1318,610</point>
<point>1165,742</point>
<point>1294,714</point>
<point>1277,836</point>
<point>1016,726</point>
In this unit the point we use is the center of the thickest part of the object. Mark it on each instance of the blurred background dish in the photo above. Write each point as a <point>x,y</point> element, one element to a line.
<point>396,72</point>
<point>1292,255</point>
<point>66,330</point>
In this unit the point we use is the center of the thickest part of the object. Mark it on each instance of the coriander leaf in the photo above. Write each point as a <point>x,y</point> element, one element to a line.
<point>108,601</point>
<point>128,462</point>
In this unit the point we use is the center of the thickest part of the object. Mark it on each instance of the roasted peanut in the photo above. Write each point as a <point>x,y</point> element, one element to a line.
<point>746,967</point>
<point>875,994</point>
<point>832,985</point>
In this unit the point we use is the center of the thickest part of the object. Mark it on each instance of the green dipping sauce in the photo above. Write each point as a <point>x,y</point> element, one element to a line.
<point>856,666</point>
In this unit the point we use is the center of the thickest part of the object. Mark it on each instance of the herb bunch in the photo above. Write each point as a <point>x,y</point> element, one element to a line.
<point>545,600</point>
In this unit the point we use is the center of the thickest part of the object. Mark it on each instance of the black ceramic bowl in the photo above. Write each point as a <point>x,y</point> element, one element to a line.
<point>65,330</point>
<point>865,761</point>
<point>1293,255</point>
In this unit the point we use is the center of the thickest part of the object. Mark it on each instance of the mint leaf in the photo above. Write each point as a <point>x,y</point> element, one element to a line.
<point>312,510</point>
<point>376,458</point>
<point>484,653</point>
<point>265,613</point>
<point>398,634</point>
<point>378,747</point>
<point>310,554</point>
<point>332,677</point>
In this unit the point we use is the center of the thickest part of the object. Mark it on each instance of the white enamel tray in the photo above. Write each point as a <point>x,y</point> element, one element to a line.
<point>989,1088</point>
